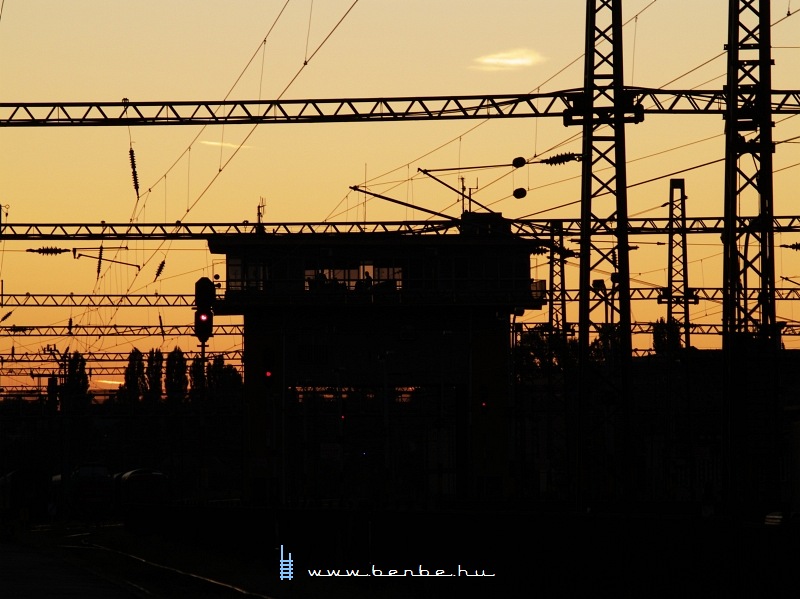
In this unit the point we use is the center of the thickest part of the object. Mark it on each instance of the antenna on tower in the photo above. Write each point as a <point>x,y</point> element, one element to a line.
<point>262,205</point>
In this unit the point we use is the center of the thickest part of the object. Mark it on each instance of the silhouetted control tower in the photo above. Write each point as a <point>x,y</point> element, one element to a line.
<point>376,363</point>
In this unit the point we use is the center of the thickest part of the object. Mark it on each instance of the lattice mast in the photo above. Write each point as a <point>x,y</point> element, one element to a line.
<point>677,295</point>
<point>558,298</point>
<point>602,110</point>
<point>604,201</point>
<point>748,243</point>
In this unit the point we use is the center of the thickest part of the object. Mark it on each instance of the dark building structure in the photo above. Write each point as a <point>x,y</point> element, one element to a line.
<point>377,364</point>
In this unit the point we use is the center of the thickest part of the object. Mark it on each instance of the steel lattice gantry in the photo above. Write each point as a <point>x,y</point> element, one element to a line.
<point>558,104</point>
<point>748,249</point>
<point>557,288</point>
<point>677,295</point>
<point>48,357</point>
<point>557,294</point>
<point>603,111</point>
<point>534,228</point>
<point>114,330</point>
<point>42,300</point>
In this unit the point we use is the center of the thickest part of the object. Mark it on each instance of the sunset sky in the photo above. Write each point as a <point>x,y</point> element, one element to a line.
<point>95,50</point>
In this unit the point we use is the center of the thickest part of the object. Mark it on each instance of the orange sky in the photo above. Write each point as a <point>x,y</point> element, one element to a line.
<point>196,49</point>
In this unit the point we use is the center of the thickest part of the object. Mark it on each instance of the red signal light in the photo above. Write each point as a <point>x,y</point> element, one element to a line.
<point>270,379</point>
<point>204,324</point>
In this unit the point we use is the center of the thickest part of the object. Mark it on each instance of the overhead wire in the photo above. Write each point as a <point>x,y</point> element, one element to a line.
<point>187,151</point>
<point>280,96</point>
<point>665,176</point>
<point>333,213</point>
<point>248,135</point>
<point>308,33</point>
<point>241,74</point>
<point>572,138</point>
<point>633,54</point>
<point>576,136</point>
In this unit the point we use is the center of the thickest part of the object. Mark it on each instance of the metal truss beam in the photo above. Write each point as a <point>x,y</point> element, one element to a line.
<point>50,300</point>
<point>115,330</point>
<point>103,357</point>
<point>642,328</point>
<point>128,113</point>
<point>555,293</point>
<point>203,231</point>
<point>711,294</point>
<point>654,226</point>
<point>44,372</point>
<point>646,328</point>
<point>565,104</point>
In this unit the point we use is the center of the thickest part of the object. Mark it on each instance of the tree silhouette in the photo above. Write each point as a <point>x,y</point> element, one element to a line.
<point>542,351</point>
<point>52,394</point>
<point>605,348</point>
<point>224,384</point>
<point>75,392</point>
<point>135,383</point>
<point>197,376</point>
<point>666,337</point>
<point>155,362</point>
<point>176,382</point>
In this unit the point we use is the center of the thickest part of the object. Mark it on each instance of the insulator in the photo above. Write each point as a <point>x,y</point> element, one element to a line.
<point>6,316</point>
<point>135,175</point>
<point>47,251</point>
<point>69,326</point>
<point>160,269</point>
<point>161,326</point>
<point>561,158</point>
<point>99,261</point>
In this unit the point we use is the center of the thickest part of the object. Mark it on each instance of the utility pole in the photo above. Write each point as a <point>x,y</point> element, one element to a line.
<point>748,247</point>
<point>751,336</point>
<point>603,110</point>
<point>677,295</point>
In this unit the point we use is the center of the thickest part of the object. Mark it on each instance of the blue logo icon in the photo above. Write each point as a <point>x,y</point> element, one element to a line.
<point>286,568</point>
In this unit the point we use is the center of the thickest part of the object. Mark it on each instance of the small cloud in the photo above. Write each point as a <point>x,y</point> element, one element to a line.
<point>224,144</point>
<point>108,382</point>
<point>508,61</point>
